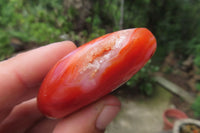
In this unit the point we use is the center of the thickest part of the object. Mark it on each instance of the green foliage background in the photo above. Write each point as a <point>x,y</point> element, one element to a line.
<point>176,25</point>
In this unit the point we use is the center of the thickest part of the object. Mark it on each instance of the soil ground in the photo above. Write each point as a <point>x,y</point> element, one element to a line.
<point>141,114</point>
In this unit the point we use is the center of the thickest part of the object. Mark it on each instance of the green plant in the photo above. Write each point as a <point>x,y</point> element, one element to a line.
<point>196,107</point>
<point>197,55</point>
<point>143,79</point>
<point>198,86</point>
<point>5,49</point>
<point>41,22</point>
<point>104,18</point>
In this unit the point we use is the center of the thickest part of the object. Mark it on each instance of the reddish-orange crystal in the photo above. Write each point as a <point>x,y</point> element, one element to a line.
<point>94,70</point>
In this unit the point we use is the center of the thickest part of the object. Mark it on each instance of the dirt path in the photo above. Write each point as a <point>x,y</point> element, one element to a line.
<point>141,115</point>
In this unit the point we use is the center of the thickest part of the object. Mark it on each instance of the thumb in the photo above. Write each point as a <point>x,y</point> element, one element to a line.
<point>91,119</point>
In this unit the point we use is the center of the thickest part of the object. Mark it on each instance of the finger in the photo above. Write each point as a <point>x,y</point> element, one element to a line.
<point>21,74</point>
<point>22,117</point>
<point>5,111</point>
<point>43,126</point>
<point>92,119</point>
<point>47,125</point>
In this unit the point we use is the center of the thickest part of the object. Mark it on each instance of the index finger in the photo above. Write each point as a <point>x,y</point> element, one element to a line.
<point>21,74</point>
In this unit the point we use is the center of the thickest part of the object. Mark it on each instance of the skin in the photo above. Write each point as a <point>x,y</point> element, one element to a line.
<point>20,78</point>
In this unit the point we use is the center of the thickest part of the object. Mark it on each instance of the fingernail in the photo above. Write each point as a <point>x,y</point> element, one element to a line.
<point>106,116</point>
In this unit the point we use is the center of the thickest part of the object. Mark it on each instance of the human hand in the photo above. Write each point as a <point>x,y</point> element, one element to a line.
<point>20,78</point>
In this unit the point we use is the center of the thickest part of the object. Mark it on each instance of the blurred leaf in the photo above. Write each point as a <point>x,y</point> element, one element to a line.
<point>196,107</point>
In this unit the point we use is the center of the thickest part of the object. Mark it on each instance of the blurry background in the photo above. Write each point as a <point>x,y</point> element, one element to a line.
<point>26,24</point>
